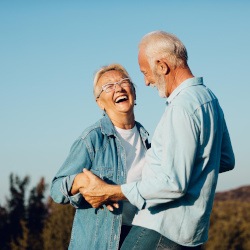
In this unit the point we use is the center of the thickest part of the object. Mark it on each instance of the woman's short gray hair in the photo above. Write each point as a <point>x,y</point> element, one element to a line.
<point>106,68</point>
<point>160,44</point>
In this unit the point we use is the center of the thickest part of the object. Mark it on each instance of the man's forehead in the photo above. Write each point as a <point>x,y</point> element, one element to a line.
<point>142,60</point>
<point>140,54</point>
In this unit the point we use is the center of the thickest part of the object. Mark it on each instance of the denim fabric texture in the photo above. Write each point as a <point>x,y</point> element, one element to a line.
<point>99,150</point>
<point>190,146</point>
<point>141,238</point>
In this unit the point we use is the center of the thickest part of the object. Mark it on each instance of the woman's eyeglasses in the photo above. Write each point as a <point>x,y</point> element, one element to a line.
<point>108,87</point>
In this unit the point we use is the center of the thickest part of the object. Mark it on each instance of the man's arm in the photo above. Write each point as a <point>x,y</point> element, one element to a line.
<point>227,161</point>
<point>170,161</point>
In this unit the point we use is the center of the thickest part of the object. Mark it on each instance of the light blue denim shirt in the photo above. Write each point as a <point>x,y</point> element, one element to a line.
<point>190,146</point>
<point>99,150</point>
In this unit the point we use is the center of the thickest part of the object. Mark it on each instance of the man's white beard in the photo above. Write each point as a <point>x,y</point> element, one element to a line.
<point>161,85</point>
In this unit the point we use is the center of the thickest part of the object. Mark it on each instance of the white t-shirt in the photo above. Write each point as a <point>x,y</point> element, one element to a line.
<point>135,157</point>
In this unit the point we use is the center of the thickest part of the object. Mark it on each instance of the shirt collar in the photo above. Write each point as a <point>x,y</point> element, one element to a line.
<point>187,83</point>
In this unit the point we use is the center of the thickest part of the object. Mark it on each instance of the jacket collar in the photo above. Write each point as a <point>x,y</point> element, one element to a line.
<point>107,127</point>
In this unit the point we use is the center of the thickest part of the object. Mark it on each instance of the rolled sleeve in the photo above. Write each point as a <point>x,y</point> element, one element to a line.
<point>67,182</point>
<point>130,190</point>
<point>77,159</point>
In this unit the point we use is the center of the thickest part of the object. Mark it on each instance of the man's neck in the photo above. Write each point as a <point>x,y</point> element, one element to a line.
<point>178,76</point>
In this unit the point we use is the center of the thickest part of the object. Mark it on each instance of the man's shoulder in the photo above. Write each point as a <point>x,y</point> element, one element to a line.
<point>193,97</point>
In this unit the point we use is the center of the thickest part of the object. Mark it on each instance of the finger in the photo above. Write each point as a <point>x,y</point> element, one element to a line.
<point>116,205</point>
<point>90,175</point>
<point>110,208</point>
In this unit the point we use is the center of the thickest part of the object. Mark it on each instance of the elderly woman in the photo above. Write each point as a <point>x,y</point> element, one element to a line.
<point>113,149</point>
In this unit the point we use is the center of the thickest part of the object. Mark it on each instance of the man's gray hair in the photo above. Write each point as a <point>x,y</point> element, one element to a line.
<point>160,44</point>
<point>106,68</point>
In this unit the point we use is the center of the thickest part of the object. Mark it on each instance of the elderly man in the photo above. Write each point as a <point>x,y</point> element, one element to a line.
<point>190,147</point>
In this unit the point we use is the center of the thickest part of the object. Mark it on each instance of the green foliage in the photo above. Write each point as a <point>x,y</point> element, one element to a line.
<point>4,236</point>
<point>21,243</point>
<point>36,215</point>
<point>38,225</point>
<point>16,209</point>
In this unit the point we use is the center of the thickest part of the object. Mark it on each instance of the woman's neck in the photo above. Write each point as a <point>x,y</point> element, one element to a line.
<point>124,121</point>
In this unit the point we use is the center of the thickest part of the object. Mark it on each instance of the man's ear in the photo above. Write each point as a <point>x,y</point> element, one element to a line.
<point>162,67</point>
<point>100,104</point>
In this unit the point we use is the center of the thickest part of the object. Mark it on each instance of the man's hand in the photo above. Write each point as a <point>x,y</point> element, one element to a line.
<point>94,192</point>
<point>80,181</point>
<point>98,192</point>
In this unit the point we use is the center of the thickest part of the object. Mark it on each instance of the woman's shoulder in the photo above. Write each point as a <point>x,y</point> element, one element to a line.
<point>91,130</point>
<point>100,128</point>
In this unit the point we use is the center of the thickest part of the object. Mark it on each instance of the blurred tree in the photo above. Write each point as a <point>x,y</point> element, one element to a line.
<point>36,215</point>
<point>4,228</point>
<point>57,228</point>
<point>21,243</point>
<point>16,207</point>
<point>47,225</point>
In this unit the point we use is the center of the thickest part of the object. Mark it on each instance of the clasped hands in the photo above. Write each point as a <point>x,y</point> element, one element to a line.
<point>96,191</point>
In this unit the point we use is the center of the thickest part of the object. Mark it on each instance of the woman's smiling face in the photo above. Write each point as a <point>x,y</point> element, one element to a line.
<point>120,98</point>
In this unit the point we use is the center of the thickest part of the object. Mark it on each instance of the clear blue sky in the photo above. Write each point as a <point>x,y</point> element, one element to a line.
<point>49,51</point>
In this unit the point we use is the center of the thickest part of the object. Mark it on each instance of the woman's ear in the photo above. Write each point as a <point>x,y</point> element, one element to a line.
<point>134,92</point>
<point>100,104</point>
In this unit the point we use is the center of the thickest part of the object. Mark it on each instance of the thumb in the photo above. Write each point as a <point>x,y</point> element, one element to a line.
<point>85,170</point>
<point>88,173</point>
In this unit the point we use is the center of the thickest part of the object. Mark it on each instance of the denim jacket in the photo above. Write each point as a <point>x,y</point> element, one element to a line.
<point>99,150</point>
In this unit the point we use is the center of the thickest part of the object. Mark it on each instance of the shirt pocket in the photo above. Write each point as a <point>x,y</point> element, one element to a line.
<point>106,174</point>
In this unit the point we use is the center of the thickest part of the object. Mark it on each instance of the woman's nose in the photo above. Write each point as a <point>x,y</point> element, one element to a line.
<point>118,87</point>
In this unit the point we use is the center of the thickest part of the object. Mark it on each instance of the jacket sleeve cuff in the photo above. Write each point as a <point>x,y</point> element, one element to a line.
<point>75,200</point>
<point>131,192</point>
